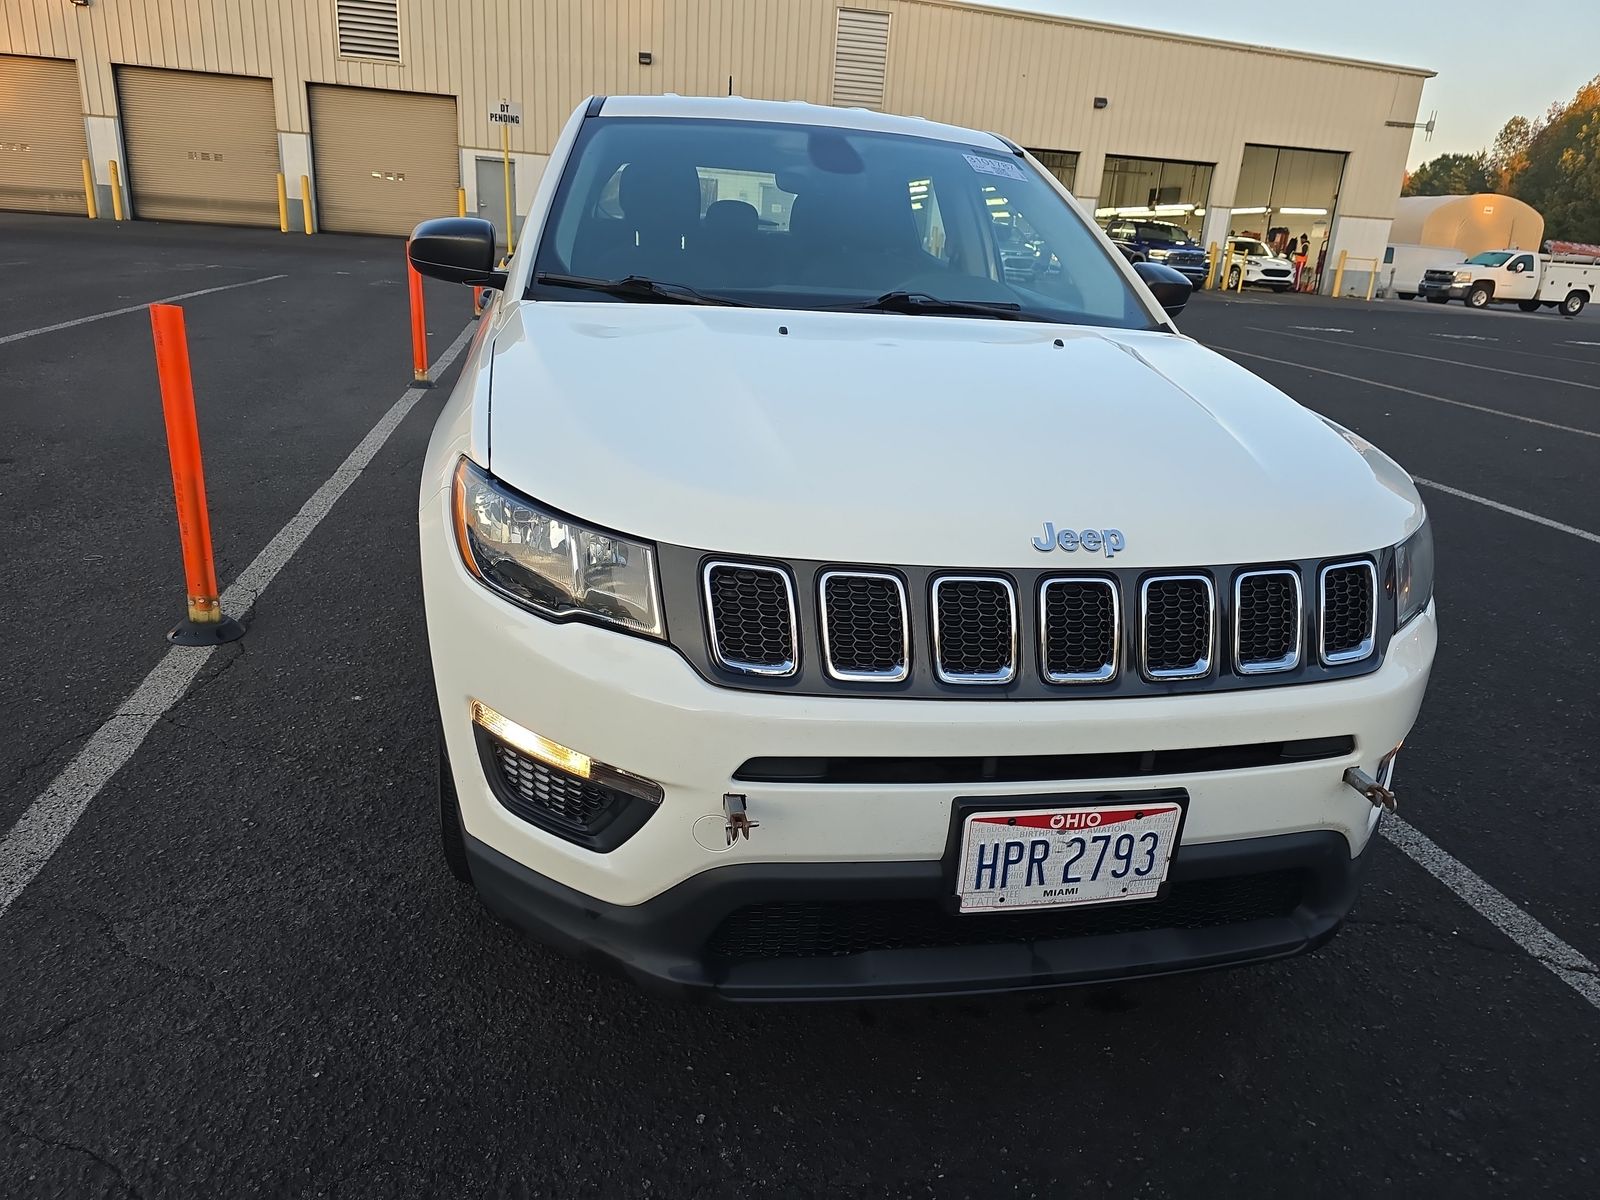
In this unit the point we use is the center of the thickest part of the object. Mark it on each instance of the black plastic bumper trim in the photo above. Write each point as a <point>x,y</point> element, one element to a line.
<point>1042,768</point>
<point>662,943</point>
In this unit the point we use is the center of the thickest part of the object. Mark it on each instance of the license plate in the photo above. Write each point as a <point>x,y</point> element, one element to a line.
<point>1060,857</point>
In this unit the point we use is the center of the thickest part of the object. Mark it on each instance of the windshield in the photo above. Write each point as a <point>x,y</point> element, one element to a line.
<point>800,216</point>
<point>1252,248</point>
<point>1489,258</point>
<point>1152,231</point>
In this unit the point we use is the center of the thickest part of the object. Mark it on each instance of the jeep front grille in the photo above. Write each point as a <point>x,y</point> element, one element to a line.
<point>866,633</point>
<point>929,632</point>
<point>1079,630</point>
<point>750,611</point>
<point>1266,622</point>
<point>1348,611</point>
<point>974,629</point>
<point>1178,615</point>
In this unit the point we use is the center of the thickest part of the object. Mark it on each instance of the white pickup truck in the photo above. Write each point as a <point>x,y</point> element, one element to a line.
<point>1515,276</point>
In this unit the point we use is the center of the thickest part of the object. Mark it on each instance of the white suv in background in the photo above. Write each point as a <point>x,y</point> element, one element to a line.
<point>1260,266</point>
<point>820,609</point>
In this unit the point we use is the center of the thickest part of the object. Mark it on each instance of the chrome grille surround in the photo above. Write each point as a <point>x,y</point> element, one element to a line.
<point>779,667</point>
<point>1364,646</point>
<point>942,633</point>
<point>1108,668</point>
<point>825,615</point>
<point>1285,662</point>
<point>1201,665</point>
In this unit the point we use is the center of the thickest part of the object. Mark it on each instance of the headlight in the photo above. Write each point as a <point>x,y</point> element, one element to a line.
<point>1159,255</point>
<point>1463,276</point>
<point>1413,573</point>
<point>550,564</point>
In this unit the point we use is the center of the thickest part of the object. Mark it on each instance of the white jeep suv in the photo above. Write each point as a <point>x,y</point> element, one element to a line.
<point>820,609</point>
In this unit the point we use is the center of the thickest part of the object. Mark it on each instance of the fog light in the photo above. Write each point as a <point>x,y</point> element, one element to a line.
<point>563,758</point>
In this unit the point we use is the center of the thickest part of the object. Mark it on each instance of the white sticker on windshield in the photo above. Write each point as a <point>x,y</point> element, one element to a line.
<point>994,166</point>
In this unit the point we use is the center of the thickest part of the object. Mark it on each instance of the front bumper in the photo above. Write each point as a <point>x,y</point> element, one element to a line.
<point>1455,291</point>
<point>677,941</point>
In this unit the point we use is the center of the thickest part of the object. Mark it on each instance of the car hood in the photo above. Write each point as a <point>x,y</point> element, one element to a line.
<point>920,440</point>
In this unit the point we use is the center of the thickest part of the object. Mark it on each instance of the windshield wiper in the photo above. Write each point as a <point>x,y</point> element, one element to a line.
<point>921,302</point>
<point>634,286</point>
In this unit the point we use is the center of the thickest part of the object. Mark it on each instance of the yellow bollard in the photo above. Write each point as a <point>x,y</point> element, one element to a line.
<point>461,202</point>
<point>1372,278</point>
<point>88,192</point>
<point>1212,263</point>
<point>283,205</point>
<point>1338,274</point>
<point>305,203</point>
<point>116,189</point>
<point>1243,263</point>
<point>511,217</point>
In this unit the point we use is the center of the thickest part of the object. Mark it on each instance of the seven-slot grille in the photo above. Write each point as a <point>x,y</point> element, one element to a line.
<point>1178,622</point>
<point>750,610</point>
<point>865,620</point>
<point>1079,630</point>
<point>1266,621</point>
<point>974,629</point>
<point>1349,610</point>
<point>865,630</point>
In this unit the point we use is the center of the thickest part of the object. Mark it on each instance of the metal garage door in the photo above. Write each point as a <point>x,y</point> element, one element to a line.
<point>41,135</point>
<point>200,147</point>
<point>385,160</point>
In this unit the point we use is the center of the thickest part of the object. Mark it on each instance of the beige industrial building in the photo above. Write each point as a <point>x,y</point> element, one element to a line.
<point>378,111</point>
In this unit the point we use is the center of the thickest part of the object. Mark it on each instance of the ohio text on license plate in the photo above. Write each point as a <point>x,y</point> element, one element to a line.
<point>1051,858</point>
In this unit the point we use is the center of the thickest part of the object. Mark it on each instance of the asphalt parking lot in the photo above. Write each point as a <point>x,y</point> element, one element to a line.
<point>246,972</point>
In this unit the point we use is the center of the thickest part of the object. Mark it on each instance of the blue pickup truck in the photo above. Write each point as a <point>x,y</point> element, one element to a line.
<point>1162,242</point>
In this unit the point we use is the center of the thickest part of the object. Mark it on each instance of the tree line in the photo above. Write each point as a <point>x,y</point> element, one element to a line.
<point>1551,162</point>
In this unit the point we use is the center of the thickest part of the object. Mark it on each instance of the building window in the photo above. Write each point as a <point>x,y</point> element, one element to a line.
<point>369,29</point>
<point>860,58</point>
<point>1063,164</point>
<point>1166,189</point>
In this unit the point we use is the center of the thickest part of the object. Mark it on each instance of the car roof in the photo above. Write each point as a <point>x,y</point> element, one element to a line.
<point>794,112</point>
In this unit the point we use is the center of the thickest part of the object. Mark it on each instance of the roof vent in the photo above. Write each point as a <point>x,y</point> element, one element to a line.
<point>369,29</point>
<point>860,58</point>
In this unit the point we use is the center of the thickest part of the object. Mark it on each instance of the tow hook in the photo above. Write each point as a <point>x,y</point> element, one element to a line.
<point>1369,787</point>
<point>739,823</point>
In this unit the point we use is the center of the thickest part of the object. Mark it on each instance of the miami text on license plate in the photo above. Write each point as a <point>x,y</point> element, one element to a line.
<point>1049,858</point>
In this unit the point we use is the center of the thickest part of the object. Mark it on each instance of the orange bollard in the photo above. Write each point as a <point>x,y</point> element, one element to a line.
<point>205,624</point>
<point>419,324</point>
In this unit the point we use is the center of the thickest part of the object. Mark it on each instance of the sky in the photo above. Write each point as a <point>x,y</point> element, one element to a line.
<point>1473,93</point>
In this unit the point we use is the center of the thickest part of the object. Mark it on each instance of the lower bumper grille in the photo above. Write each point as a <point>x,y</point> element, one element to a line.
<point>823,930</point>
<point>584,811</point>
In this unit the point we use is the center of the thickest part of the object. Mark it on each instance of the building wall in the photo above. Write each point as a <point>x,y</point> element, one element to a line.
<point>1029,77</point>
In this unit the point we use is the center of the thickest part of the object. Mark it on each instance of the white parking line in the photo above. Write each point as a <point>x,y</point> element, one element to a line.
<point>1453,362</point>
<point>40,831</point>
<point>1466,337</point>
<point>1506,508</point>
<point>1394,387</point>
<point>1544,947</point>
<point>133,308</point>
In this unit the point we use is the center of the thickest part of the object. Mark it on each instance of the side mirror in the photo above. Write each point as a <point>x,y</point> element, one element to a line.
<point>1170,288</point>
<point>456,250</point>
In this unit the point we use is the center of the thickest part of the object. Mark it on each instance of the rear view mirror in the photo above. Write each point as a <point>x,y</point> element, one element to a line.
<point>1170,288</point>
<point>456,250</point>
